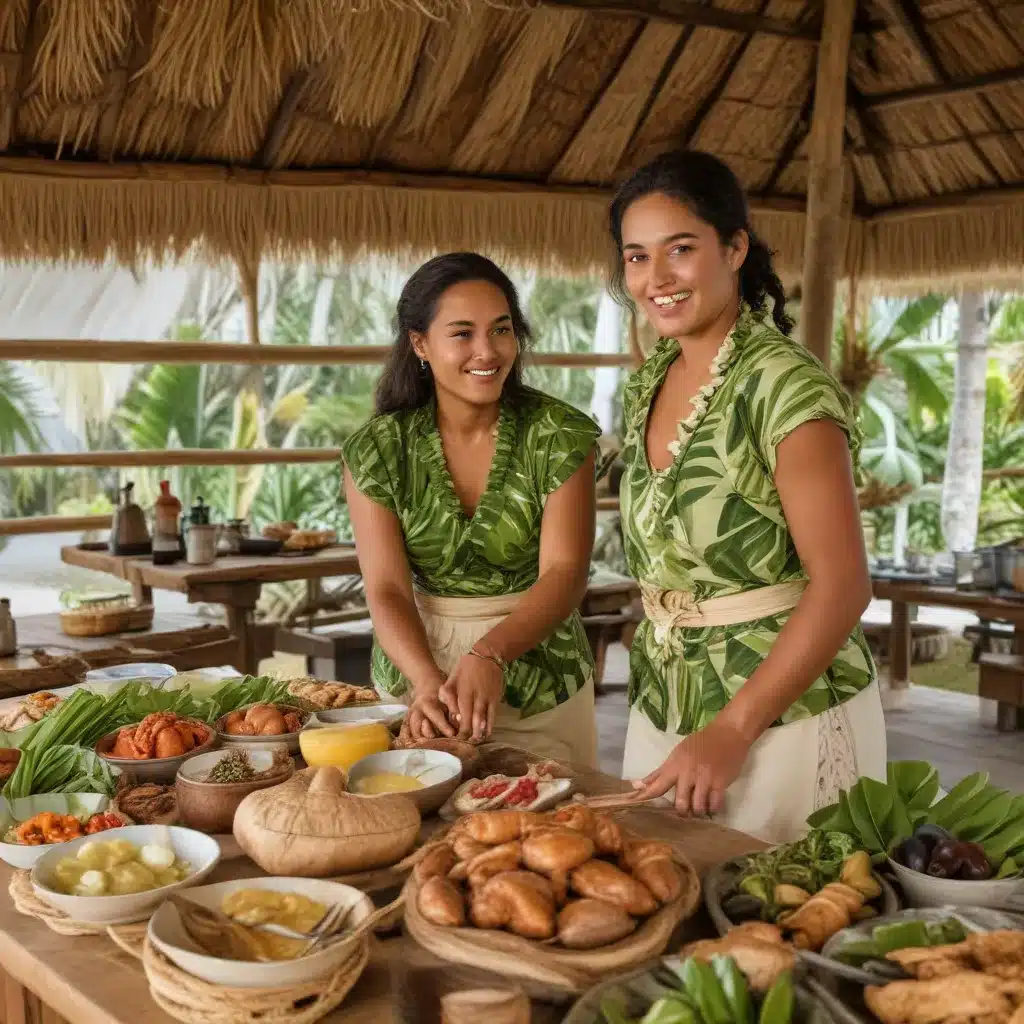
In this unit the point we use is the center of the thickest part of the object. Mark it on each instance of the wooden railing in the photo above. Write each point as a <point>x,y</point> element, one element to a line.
<point>141,353</point>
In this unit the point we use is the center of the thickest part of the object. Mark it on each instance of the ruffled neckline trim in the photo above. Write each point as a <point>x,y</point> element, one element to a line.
<point>701,401</point>
<point>431,450</point>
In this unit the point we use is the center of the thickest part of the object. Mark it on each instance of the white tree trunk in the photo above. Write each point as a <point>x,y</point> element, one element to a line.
<point>961,485</point>
<point>607,338</point>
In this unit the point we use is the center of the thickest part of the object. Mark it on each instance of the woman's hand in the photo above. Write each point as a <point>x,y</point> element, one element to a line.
<point>427,716</point>
<point>701,768</point>
<point>472,695</point>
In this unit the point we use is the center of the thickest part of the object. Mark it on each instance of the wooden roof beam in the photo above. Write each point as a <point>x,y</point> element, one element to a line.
<point>688,12</point>
<point>909,19</point>
<point>941,91</point>
<point>270,152</point>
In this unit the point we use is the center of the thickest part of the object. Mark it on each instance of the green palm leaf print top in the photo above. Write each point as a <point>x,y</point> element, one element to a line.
<point>397,460</point>
<point>712,523</point>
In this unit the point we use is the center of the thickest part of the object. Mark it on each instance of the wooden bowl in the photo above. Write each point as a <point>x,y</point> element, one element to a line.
<point>211,806</point>
<point>154,769</point>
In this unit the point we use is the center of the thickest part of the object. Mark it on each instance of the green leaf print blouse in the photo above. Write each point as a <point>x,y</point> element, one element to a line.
<point>712,524</point>
<point>397,460</point>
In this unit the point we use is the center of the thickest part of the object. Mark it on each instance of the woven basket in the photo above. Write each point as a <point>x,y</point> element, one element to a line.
<point>104,621</point>
<point>542,967</point>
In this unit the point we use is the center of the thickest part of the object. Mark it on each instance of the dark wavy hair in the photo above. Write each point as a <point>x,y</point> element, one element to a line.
<point>708,187</point>
<point>405,384</point>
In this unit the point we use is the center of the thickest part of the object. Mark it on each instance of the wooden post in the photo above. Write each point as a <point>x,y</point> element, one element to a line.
<point>823,238</point>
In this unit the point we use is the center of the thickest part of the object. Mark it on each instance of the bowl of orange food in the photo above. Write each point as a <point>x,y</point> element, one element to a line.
<point>263,727</point>
<point>34,824</point>
<point>152,750</point>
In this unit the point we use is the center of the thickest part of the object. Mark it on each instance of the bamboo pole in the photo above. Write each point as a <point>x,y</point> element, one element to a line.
<point>67,170</point>
<point>170,457</point>
<point>144,353</point>
<point>825,186</point>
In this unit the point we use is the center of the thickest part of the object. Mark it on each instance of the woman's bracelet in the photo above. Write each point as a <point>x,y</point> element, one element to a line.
<point>494,659</point>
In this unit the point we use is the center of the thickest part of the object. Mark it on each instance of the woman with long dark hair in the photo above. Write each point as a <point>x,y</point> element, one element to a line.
<point>472,502</point>
<point>753,694</point>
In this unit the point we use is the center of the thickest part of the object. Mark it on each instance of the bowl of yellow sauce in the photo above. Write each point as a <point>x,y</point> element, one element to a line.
<point>272,961</point>
<point>427,777</point>
<point>341,746</point>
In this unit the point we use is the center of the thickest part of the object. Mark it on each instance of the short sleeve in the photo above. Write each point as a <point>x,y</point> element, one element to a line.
<point>557,442</point>
<point>372,455</point>
<point>796,390</point>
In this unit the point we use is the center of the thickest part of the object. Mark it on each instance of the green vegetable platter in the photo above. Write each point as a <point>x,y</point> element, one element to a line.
<point>772,884</point>
<point>975,832</point>
<point>678,991</point>
<point>56,751</point>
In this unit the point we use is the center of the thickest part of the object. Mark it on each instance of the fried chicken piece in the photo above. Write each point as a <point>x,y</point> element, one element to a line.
<point>1000,952</point>
<point>926,962</point>
<point>758,949</point>
<point>969,994</point>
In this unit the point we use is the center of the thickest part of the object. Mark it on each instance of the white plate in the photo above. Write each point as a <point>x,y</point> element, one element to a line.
<point>168,935</point>
<point>386,713</point>
<point>200,851</point>
<point>78,804</point>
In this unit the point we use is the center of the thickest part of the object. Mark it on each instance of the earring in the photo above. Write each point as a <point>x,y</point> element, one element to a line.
<point>423,365</point>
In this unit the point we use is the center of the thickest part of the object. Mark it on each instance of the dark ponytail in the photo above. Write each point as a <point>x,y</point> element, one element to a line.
<point>708,187</point>
<point>405,384</point>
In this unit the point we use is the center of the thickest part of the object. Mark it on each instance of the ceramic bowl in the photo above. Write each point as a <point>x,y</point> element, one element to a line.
<point>211,806</point>
<point>156,769</point>
<point>290,740</point>
<point>168,935</point>
<point>154,673</point>
<point>200,852</point>
<point>467,753</point>
<point>923,890</point>
<point>79,804</point>
<point>439,772</point>
<point>389,714</point>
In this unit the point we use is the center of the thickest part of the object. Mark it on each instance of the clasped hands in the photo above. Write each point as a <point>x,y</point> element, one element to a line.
<point>463,705</point>
<point>701,768</point>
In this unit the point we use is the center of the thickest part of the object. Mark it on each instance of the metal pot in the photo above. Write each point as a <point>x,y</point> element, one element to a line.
<point>1008,560</point>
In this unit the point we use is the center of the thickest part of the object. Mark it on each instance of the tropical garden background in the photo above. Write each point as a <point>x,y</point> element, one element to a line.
<point>938,380</point>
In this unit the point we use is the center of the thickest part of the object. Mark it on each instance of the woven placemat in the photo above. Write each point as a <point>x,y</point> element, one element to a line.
<point>28,903</point>
<point>192,1000</point>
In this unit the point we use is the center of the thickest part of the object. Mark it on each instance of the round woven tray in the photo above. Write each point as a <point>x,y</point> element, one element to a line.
<point>26,902</point>
<point>542,967</point>
<point>190,999</point>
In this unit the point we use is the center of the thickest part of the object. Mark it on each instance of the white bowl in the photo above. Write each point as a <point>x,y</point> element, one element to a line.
<point>200,851</point>
<point>16,811</point>
<point>154,673</point>
<point>168,935</point>
<point>386,713</point>
<point>439,772</point>
<point>923,890</point>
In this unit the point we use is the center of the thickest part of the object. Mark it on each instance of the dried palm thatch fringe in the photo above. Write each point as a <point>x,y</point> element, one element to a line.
<point>166,217</point>
<point>13,24</point>
<point>947,247</point>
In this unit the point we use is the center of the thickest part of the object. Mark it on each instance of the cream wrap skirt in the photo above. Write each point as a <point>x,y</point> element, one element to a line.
<point>792,770</point>
<point>567,732</point>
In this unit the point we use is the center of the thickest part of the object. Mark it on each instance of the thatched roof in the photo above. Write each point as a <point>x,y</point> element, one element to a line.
<point>319,126</point>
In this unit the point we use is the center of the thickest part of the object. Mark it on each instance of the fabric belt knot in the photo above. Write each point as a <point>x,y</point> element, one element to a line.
<point>678,609</point>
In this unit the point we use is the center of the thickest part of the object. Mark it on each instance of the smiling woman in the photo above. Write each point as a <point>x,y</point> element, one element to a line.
<point>752,690</point>
<point>472,503</point>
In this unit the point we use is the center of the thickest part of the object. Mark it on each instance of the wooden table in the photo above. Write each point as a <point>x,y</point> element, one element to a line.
<point>233,581</point>
<point>51,979</point>
<point>903,593</point>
